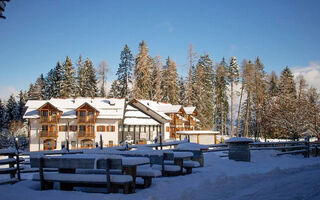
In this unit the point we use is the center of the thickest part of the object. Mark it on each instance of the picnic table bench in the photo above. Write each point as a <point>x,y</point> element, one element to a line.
<point>68,178</point>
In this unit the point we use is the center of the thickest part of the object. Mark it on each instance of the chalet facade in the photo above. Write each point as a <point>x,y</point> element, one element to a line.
<point>80,122</point>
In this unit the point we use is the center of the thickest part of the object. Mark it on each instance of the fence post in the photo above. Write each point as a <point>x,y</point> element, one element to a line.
<point>18,159</point>
<point>307,143</point>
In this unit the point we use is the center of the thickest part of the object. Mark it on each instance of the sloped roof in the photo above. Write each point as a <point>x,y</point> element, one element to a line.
<point>189,110</point>
<point>108,108</point>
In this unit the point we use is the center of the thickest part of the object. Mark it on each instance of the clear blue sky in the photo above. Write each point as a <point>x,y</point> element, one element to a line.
<point>38,33</point>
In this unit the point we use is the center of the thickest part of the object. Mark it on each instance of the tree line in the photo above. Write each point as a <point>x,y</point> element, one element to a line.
<point>269,106</point>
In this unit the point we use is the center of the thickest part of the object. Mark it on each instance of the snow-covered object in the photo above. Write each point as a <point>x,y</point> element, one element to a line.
<point>267,177</point>
<point>191,146</point>
<point>9,150</point>
<point>239,139</point>
<point>84,177</point>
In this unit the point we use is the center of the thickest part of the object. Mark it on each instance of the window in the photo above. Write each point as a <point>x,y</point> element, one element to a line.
<point>82,128</point>
<point>63,128</point>
<point>167,129</point>
<point>44,127</point>
<point>44,113</point>
<point>82,113</point>
<point>111,128</point>
<point>73,128</point>
<point>101,128</point>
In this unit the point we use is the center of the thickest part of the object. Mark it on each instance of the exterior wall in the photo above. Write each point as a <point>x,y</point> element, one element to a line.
<point>203,139</point>
<point>206,139</point>
<point>73,139</point>
<point>107,136</point>
<point>167,131</point>
<point>34,135</point>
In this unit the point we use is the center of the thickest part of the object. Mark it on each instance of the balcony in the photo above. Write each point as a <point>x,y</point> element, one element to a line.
<point>86,134</point>
<point>49,134</point>
<point>86,119</point>
<point>48,119</point>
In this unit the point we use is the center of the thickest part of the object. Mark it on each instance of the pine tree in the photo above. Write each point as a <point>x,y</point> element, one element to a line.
<point>191,76</point>
<point>90,82</point>
<point>203,88</point>
<point>114,90</point>
<point>182,92</point>
<point>58,76</point>
<point>80,78</point>
<point>21,105</point>
<point>68,82</point>
<point>12,109</point>
<point>49,85</point>
<point>287,84</point>
<point>221,97</point>
<point>157,80</point>
<point>169,87</point>
<point>233,78</point>
<point>273,85</point>
<point>2,114</point>
<point>124,73</point>
<point>143,84</point>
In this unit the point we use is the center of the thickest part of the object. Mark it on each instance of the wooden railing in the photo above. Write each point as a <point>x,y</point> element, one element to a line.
<point>49,134</point>
<point>49,119</point>
<point>86,119</point>
<point>86,134</point>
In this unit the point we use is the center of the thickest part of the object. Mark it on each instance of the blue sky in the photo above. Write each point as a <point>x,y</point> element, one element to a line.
<point>38,33</point>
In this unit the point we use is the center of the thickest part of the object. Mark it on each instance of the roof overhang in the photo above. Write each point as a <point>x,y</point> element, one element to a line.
<point>148,111</point>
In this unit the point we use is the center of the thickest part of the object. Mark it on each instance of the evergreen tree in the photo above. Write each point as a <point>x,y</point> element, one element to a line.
<point>115,90</point>
<point>68,82</point>
<point>191,77</point>
<point>21,105</point>
<point>58,77</point>
<point>203,88</point>
<point>287,85</point>
<point>49,85</point>
<point>273,85</point>
<point>81,78</point>
<point>182,92</point>
<point>12,109</point>
<point>221,97</point>
<point>90,84</point>
<point>2,116</point>
<point>169,87</point>
<point>143,84</point>
<point>156,69</point>
<point>124,73</point>
<point>233,77</point>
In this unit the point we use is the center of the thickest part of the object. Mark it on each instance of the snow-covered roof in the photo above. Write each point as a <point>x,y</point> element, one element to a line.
<point>108,108</point>
<point>189,110</point>
<point>239,139</point>
<point>197,132</point>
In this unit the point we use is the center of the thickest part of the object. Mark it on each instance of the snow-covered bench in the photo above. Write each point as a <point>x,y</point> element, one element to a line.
<point>69,179</point>
<point>182,159</point>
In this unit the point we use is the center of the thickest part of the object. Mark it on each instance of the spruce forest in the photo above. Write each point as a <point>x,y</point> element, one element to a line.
<point>230,97</point>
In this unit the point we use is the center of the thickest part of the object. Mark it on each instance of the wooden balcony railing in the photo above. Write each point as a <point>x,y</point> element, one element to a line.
<point>49,134</point>
<point>86,134</point>
<point>49,119</point>
<point>86,119</point>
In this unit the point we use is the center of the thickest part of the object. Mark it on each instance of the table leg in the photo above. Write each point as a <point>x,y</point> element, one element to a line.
<point>131,170</point>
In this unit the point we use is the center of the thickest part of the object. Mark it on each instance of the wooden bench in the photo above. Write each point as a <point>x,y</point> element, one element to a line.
<point>68,179</point>
<point>184,161</point>
<point>11,169</point>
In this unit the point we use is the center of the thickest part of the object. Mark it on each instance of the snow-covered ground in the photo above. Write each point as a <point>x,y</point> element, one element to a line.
<point>266,177</point>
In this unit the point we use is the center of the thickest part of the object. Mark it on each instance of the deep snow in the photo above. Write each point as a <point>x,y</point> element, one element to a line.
<point>266,177</point>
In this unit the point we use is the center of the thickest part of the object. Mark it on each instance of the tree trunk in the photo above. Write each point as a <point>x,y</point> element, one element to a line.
<point>246,128</point>
<point>238,117</point>
<point>231,114</point>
